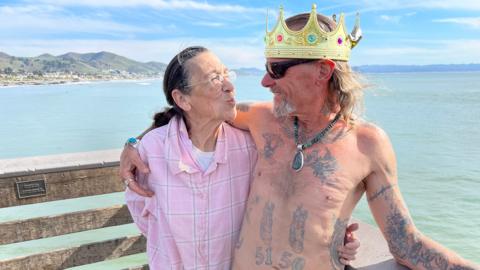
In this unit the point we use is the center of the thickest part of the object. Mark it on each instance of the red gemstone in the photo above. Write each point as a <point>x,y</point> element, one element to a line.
<point>279,38</point>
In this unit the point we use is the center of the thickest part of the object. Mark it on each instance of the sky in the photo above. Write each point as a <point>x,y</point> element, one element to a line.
<point>407,32</point>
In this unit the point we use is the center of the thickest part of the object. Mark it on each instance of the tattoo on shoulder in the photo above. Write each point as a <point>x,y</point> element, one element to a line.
<point>297,229</point>
<point>337,240</point>
<point>381,191</point>
<point>272,142</point>
<point>243,107</point>
<point>337,134</point>
<point>323,166</point>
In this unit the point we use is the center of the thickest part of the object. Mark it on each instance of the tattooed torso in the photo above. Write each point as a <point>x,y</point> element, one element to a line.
<point>296,220</point>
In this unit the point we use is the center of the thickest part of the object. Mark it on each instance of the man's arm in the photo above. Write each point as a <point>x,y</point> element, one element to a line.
<point>247,112</point>
<point>130,162</point>
<point>406,243</point>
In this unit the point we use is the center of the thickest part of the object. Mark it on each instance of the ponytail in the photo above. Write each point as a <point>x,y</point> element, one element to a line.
<point>162,118</point>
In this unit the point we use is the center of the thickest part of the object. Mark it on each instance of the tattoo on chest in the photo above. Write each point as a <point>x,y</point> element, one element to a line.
<point>297,229</point>
<point>252,202</point>
<point>407,245</point>
<point>263,254</point>
<point>286,126</point>
<point>272,142</point>
<point>323,166</point>
<point>266,223</point>
<point>285,185</point>
<point>336,242</point>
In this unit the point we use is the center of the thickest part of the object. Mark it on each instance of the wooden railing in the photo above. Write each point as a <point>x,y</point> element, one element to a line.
<point>23,186</point>
<point>55,178</point>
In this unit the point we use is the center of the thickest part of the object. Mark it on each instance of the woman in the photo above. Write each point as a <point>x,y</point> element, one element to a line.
<point>200,168</point>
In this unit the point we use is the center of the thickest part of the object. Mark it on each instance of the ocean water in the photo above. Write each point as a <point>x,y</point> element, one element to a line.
<point>433,120</point>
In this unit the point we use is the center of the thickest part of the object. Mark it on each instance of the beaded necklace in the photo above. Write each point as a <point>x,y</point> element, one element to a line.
<point>298,159</point>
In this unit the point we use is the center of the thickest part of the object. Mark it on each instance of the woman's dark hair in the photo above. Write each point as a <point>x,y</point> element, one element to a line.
<point>176,76</point>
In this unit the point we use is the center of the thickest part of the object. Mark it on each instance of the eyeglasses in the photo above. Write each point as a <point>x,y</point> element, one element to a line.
<point>277,70</point>
<point>217,79</point>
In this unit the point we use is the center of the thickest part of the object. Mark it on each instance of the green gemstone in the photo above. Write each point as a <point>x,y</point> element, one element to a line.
<point>297,163</point>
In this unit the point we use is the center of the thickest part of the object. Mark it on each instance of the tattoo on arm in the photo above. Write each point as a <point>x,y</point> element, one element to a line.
<point>272,142</point>
<point>408,246</point>
<point>380,192</point>
<point>323,166</point>
<point>297,229</point>
<point>337,241</point>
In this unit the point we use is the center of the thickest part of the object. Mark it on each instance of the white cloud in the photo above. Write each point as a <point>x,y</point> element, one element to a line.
<point>372,5</point>
<point>22,20</point>
<point>472,22</point>
<point>396,18</point>
<point>209,24</point>
<point>387,18</point>
<point>157,4</point>
<point>448,4</point>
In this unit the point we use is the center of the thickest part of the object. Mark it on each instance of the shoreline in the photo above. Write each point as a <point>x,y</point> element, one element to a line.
<point>39,82</point>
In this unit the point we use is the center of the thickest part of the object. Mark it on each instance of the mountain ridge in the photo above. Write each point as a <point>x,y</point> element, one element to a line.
<point>78,63</point>
<point>106,62</point>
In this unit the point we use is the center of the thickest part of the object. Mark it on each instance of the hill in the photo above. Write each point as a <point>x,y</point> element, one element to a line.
<point>77,63</point>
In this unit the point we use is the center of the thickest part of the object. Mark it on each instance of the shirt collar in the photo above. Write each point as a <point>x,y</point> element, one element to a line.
<point>178,148</point>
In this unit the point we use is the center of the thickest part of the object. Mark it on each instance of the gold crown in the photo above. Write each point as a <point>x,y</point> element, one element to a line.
<point>311,42</point>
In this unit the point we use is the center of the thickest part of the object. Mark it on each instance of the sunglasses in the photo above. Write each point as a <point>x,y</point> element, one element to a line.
<point>277,70</point>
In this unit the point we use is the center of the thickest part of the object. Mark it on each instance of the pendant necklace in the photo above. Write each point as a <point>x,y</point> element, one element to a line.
<point>297,163</point>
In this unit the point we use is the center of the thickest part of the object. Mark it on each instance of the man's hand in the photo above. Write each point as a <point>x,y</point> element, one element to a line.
<point>349,250</point>
<point>130,161</point>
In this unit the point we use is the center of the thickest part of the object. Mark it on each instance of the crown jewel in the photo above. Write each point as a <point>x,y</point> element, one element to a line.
<point>311,42</point>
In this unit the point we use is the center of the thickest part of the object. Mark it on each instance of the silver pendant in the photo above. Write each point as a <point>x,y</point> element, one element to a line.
<point>297,163</point>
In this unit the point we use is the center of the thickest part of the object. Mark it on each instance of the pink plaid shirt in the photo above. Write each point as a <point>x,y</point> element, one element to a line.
<point>194,219</point>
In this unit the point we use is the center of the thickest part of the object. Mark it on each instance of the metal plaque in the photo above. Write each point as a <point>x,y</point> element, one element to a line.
<point>31,188</point>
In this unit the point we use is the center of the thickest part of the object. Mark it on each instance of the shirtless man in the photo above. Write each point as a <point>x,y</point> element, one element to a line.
<point>315,162</point>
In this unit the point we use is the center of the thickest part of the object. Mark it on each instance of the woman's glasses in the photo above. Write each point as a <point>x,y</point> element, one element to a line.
<point>217,79</point>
